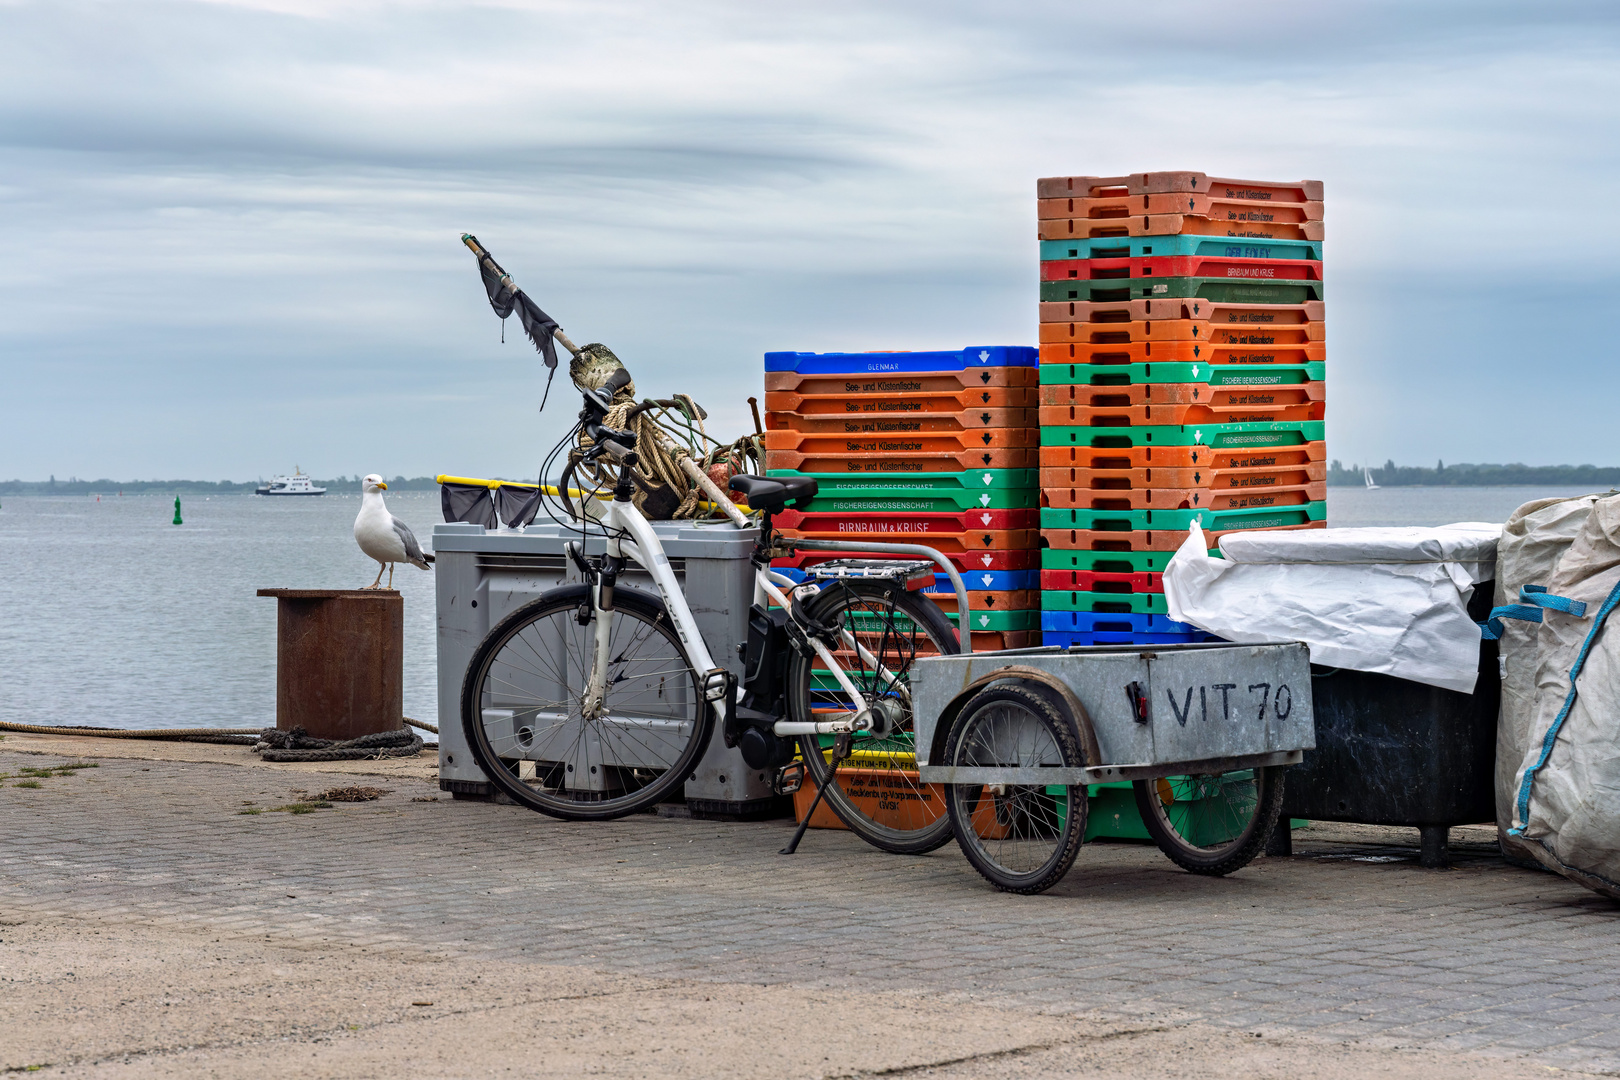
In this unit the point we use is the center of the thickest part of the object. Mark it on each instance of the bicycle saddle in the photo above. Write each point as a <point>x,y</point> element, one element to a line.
<point>771,493</point>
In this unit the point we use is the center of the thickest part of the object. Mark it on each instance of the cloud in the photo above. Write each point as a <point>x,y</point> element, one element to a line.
<point>234,226</point>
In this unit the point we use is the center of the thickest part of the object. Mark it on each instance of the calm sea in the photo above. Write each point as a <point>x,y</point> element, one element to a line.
<point>111,615</point>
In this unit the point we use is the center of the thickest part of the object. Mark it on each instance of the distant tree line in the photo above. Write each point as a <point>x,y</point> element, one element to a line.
<point>74,486</point>
<point>1467,474</point>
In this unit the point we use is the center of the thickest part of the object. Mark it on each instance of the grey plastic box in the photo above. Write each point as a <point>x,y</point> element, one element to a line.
<point>485,574</point>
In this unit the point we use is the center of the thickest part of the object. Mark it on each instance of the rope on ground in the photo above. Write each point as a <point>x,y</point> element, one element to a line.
<point>424,727</point>
<point>299,745</point>
<point>229,736</point>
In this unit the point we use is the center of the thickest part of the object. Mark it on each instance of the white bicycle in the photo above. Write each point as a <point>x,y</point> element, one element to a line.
<point>594,700</point>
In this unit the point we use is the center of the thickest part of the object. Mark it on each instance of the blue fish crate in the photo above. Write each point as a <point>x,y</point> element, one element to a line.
<point>1136,247</point>
<point>877,363</point>
<point>1065,639</point>
<point>988,581</point>
<point>1109,622</point>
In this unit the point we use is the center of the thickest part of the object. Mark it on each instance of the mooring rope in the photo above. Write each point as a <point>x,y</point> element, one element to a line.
<point>299,745</point>
<point>237,737</point>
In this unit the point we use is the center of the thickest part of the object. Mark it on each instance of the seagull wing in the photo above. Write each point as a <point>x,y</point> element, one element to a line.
<point>413,550</point>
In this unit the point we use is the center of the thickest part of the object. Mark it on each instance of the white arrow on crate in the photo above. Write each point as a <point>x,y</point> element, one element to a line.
<point>987,579</point>
<point>984,620</point>
<point>984,500</point>
<point>988,559</point>
<point>984,356</point>
<point>986,517</point>
<point>989,479</point>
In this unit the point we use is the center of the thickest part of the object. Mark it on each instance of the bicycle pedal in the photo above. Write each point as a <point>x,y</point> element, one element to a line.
<point>788,779</point>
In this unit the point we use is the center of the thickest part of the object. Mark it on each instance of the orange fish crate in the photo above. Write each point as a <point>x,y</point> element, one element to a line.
<point>902,461</point>
<point>1156,183</point>
<point>1176,224</point>
<point>893,797</point>
<point>923,445</point>
<point>987,600</point>
<point>1179,457</point>
<point>1128,479</point>
<point>962,543</point>
<point>1117,416</point>
<point>1177,352</point>
<point>1172,332</point>
<point>1196,310</point>
<point>1136,269</point>
<point>1191,204</point>
<point>864,423</point>
<point>1198,498</point>
<point>1059,395</point>
<point>1143,540</point>
<point>928,382</point>
<point>955,399</point>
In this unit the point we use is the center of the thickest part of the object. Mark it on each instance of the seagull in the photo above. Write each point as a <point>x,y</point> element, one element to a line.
<point>383,536</point>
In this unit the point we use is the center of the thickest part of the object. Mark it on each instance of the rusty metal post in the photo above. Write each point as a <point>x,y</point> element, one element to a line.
<point>340,661</point>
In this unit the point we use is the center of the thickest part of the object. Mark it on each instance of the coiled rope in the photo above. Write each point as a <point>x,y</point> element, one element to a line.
<point>665,432</point>
<point>299,745</point>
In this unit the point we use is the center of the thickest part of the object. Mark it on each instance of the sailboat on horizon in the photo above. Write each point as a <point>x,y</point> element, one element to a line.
<point>1367,475</point>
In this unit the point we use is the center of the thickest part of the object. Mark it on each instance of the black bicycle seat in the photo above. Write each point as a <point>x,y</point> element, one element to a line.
<point>771,493</point>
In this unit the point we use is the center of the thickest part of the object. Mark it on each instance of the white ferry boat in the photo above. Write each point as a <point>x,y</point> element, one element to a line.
<point>296,484</point>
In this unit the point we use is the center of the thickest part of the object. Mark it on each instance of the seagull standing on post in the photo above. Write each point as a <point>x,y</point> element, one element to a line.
<point>383,536</point>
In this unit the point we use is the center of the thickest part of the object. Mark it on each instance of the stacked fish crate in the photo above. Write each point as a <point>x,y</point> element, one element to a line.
<point>1181,381</point>
<point>935,448</point>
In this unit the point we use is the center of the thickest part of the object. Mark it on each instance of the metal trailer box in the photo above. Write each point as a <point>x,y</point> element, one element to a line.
<point>485,574</point>
<point>1219,706</point>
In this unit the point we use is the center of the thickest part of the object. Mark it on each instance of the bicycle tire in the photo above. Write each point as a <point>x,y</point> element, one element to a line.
<point>1025,837</point>
<point>880,774</point>
<point>642,755</point>
<point>1219,827</point>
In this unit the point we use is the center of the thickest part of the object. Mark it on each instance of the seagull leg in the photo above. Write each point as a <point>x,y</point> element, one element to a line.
<point>390,575</point>
<point>378,583</point>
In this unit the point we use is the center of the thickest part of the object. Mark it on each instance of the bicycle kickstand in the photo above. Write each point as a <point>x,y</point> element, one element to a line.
<point>840,752</point>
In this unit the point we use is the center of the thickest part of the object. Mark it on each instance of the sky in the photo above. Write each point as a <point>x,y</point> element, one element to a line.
<point>229,231</point>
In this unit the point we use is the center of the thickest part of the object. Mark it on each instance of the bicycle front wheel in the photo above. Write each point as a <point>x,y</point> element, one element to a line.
<point>875,791</point>
<point>522,707</point>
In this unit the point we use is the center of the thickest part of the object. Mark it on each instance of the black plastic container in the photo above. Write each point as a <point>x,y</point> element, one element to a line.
<point>1394,752</point>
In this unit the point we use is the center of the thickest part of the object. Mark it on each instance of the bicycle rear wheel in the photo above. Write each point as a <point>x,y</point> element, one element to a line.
<point>521,707</point>
<point>1211,824</point>
<point>875,791</point>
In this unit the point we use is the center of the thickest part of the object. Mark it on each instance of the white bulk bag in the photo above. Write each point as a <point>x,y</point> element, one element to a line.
<point>1533,540</point>
<point>1566,803</point>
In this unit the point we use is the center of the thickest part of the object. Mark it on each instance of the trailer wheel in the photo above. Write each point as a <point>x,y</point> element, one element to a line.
<point>1211,824</point>
<point>1022,838</point>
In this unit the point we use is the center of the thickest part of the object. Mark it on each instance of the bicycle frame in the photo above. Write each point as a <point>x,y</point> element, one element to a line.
<point>644,549</point>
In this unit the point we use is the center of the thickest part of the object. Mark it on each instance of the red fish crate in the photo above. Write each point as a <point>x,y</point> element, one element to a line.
<point>1195,310</point>
<point>1191,204</point>
<point>1176,224</point>
<point>1157,183</point>
<point>1143,539</point>
<point>833,459</point>
<point>1100,581</point>
<point>1179,457</point>
<point>1208,479</point>
<point>952,400</point>
<point>1181,498</point>
<point>964,561</point>
<point>1107,416</point>
<point>927,382</point>
<point>1059,395</point>
<point>1181,266</point>
<point>965,521</point>
<point>900,423</point>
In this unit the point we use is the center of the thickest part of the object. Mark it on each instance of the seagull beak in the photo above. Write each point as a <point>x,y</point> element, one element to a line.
<point>383,486</point>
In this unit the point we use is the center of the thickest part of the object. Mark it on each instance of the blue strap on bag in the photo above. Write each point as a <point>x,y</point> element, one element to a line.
<point>1532,599</point>
<point>1521,809</point>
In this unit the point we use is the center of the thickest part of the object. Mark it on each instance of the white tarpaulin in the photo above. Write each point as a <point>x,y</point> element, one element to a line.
<point>1388,600</point>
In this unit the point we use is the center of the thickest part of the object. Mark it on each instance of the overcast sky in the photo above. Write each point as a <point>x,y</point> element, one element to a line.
<point>230,230</point>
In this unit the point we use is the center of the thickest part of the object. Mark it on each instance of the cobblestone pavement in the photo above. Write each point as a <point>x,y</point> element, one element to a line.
<point>1347,940</point>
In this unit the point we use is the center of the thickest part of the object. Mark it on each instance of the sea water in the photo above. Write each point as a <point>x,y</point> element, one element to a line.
<point>113,616</point>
